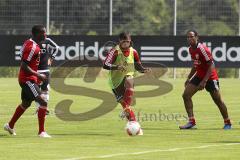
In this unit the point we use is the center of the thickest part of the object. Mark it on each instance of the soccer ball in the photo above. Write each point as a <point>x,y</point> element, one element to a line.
<point>133,128</point>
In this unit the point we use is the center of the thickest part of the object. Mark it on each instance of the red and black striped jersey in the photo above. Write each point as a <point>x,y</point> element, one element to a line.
<point>201,56</point>
<point>30,54</point>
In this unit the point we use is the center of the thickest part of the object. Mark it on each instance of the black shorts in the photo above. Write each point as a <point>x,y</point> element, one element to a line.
<point>30,91</point>
<point>44,84</point>
<point>211,85</point>
<point>119,91</point>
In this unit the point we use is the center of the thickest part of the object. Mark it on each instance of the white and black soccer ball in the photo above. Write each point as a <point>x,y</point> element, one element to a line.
<point>133,128</point>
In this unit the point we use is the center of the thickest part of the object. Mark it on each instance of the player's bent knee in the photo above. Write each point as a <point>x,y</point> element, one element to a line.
<point>186,96</point>
<point>41,101</point>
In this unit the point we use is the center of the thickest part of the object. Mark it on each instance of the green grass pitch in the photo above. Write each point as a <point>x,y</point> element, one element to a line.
<point>105,137</point>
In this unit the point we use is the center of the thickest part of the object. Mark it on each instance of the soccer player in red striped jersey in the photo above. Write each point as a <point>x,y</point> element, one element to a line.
<point>27,78</point>
<point>203,75</point>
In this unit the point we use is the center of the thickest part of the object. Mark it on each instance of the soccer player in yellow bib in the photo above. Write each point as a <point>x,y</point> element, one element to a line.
<point>122,61</point>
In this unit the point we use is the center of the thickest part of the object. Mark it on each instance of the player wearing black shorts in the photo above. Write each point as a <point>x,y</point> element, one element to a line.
<point>49,50</point>
<point>27,78</point>
<point>203,75</point>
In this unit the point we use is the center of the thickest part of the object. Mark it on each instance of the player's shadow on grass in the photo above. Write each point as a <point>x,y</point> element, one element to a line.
<point>174,129</point>
<point>219,128</point>
<point>4,135</point>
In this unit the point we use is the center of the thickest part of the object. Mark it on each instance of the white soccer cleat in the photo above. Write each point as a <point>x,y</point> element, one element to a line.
<point>44,135</point>
<point>140,132</point>
<point>10,130</point>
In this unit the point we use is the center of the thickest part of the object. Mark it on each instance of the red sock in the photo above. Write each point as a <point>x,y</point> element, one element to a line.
<point>227,121</point>
<point>18,113</point>
<point>124,104</point>
<point>128,96</point>
<point>41,119</point>
<point>131,116</point>
<point>192,120</point>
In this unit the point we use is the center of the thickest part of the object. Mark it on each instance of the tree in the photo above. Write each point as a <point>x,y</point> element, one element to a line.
<point>152,17</point>
<point>208,17</point>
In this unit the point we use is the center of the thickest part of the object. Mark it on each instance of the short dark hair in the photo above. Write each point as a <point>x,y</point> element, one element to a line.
<point>194,31</point>
<point>36,29</point>
<point>124,35</point>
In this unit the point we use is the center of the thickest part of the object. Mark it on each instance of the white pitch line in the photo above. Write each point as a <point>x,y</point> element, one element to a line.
<point>152,151</point>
